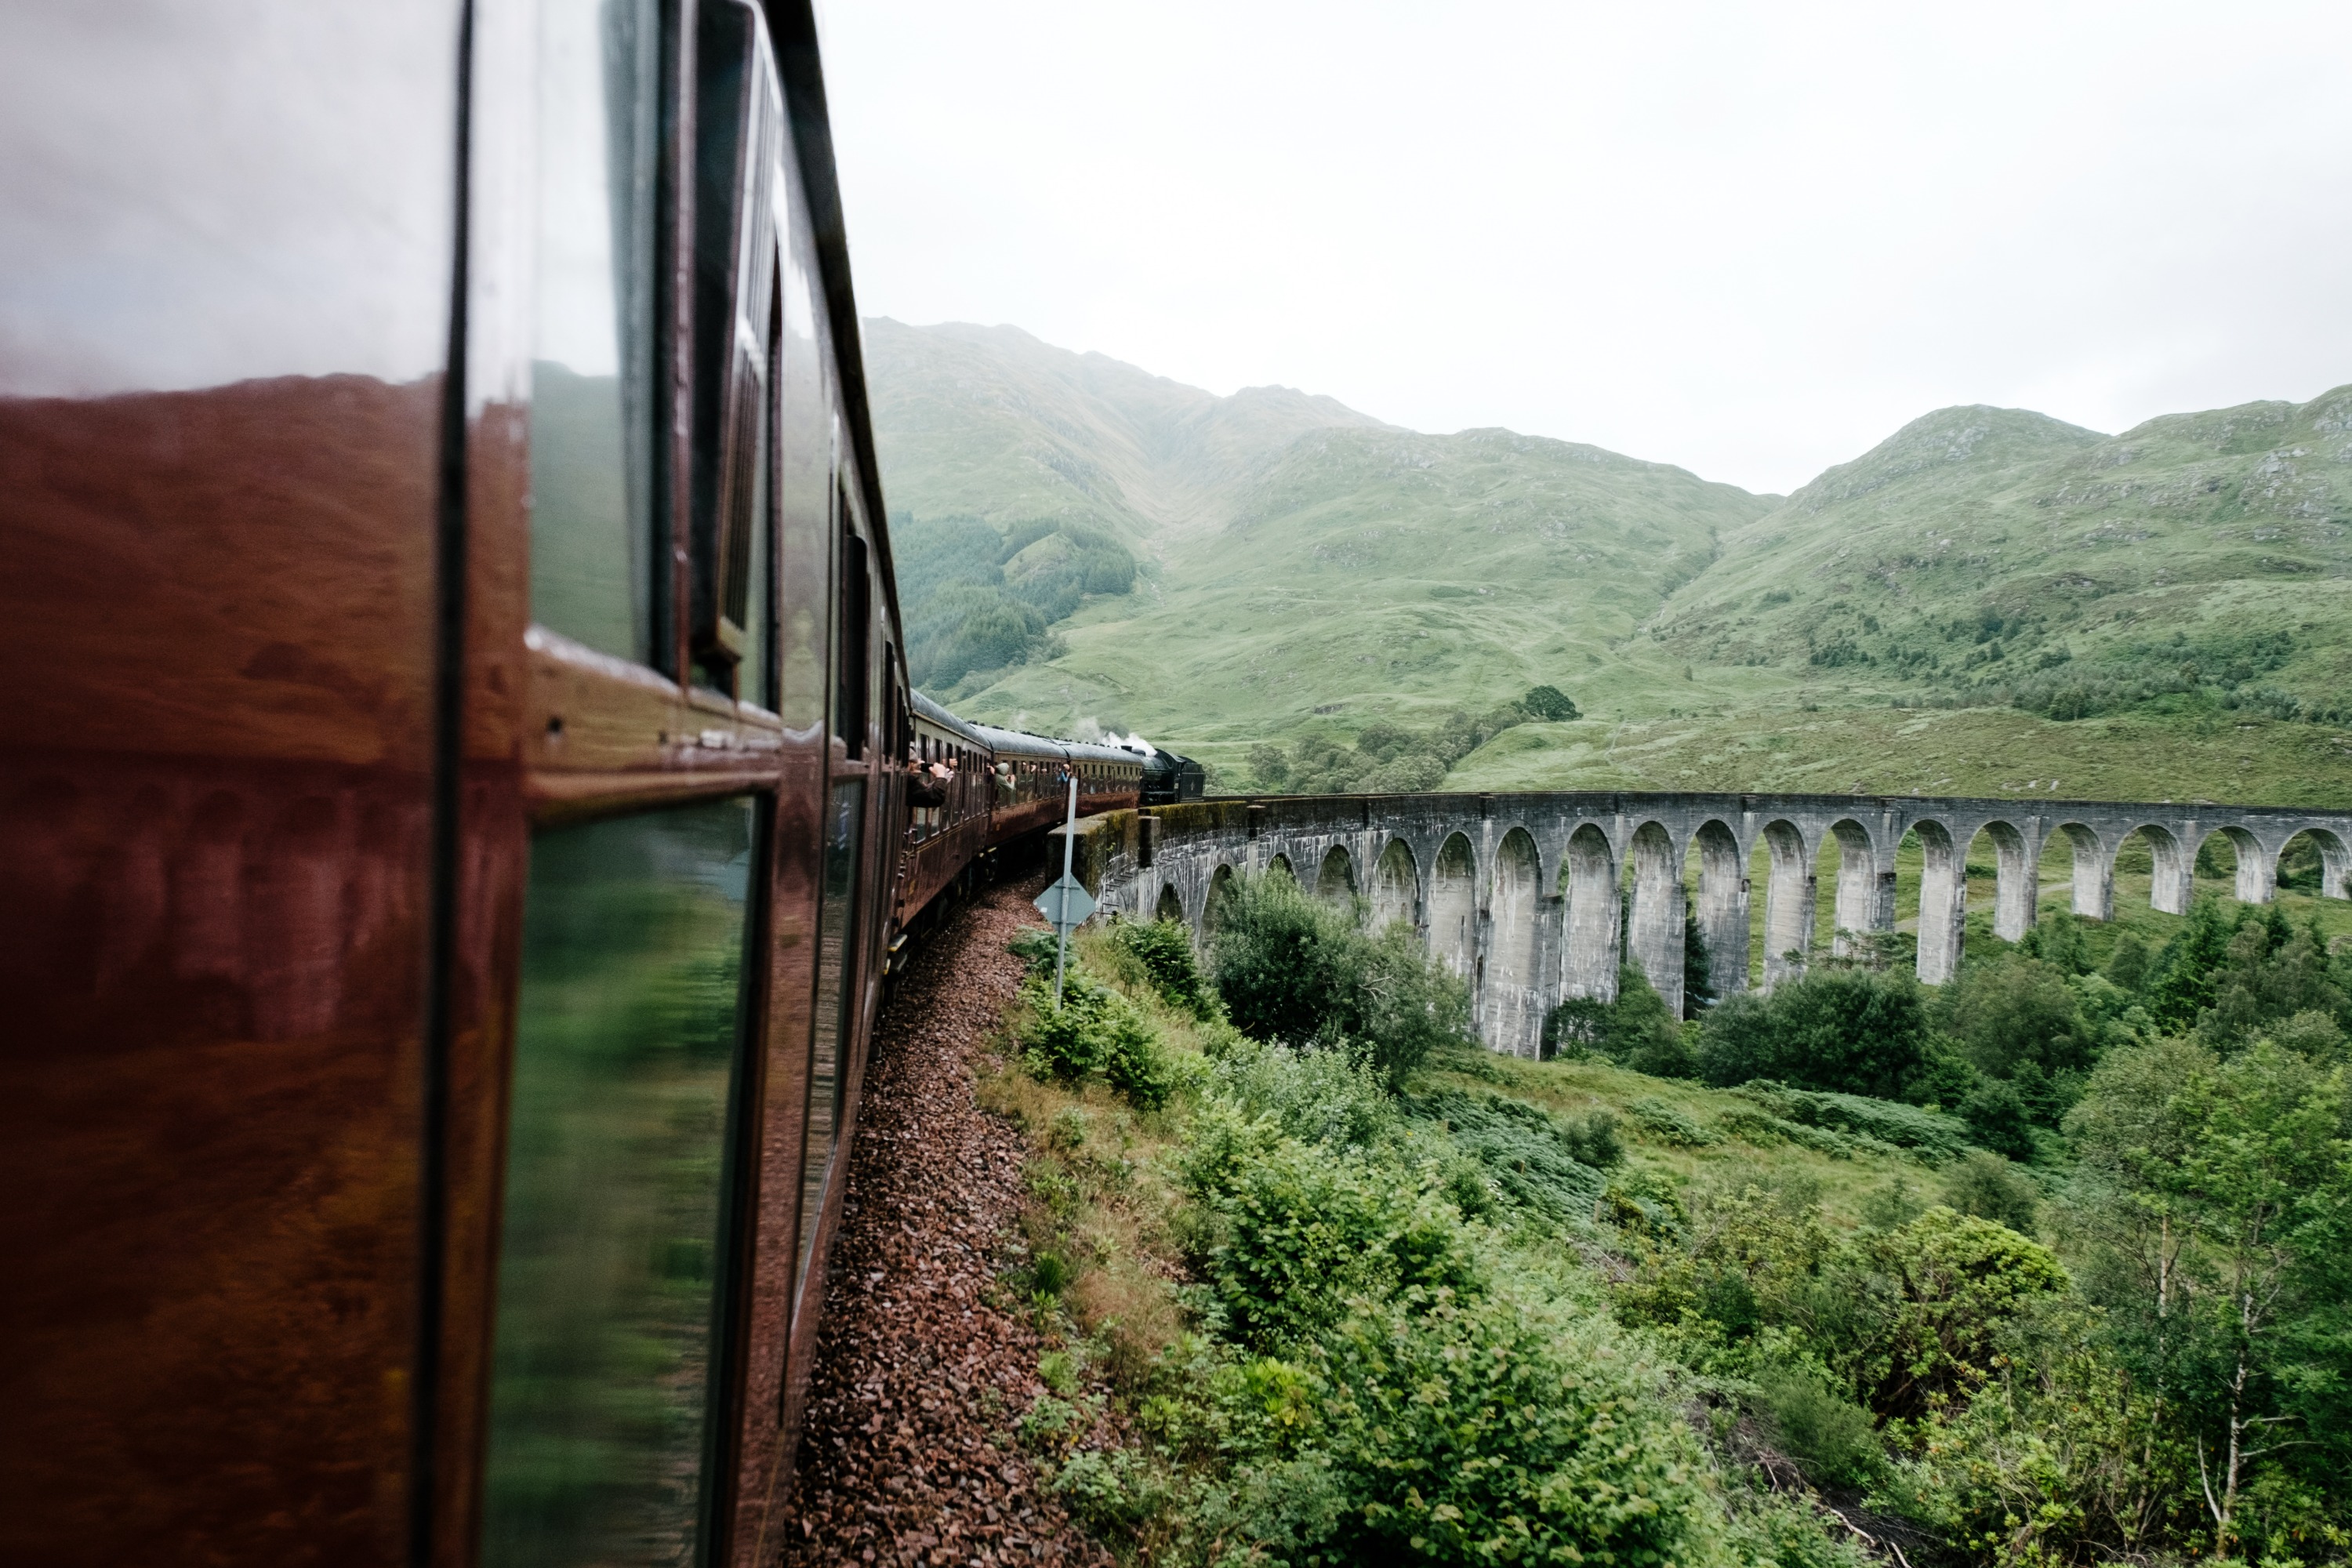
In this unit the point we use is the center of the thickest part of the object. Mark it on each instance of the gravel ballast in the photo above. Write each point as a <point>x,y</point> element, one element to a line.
<point>922,1369</point>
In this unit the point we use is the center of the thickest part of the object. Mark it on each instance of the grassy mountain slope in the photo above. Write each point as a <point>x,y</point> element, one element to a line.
<point>1978,537</point>
<point>1382,574</point>
<point>1989,602</point>
<point>2053,610</point>
<point>989,423</point>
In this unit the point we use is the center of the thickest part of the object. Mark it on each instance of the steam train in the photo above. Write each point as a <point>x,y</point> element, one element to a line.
<point>461,787</point>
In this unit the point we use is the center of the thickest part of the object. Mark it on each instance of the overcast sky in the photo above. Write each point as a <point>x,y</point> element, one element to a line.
<point>1750,239</point>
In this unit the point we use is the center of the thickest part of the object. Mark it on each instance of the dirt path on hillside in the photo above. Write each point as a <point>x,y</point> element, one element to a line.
<point>906,1455</point>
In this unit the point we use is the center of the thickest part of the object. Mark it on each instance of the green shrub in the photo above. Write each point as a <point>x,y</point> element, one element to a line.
<point>1851,1031</point>
<point>1885,1120</point>
<point>1502,1430</point>
<point>1536,1161</point>
<point>1297,1231</point>
<point>1550,704</point>
<point>1636,1029</point>
<point>1317,1097</point>
<point>1297,971</point>
<point>1096,1034</point>
<point>1932,1299</point>
<point>1989,1187</point>
<point>2017,1010</point>
<point>1999,1117</point>
<point>1164,948</point>
<point>1831,1437</point>
<point>1111,1492</point>
<point>1035,947</point>
<point>1668,1124</point>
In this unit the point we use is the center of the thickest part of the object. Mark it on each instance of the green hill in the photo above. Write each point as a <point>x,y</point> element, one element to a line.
<point>1382,575</point>
<point>1994,602</point>
<point>1991,601</point>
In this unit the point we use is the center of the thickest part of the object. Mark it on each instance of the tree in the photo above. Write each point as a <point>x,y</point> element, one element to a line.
<point>2006,1015</point>
<point>2215,1205</point>
<point>2271,972</point>
<point>2182,983</point>
<point>1297,970</point>
<point>1991,1188</point>
<point>1851,1031</point>
<point>1636,1030</point>
<point>1267,764</point>
<point>1550,704</point>
<point>1699,990</point>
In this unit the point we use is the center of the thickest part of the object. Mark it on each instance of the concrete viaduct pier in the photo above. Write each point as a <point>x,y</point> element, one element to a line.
<point>1537,897</point>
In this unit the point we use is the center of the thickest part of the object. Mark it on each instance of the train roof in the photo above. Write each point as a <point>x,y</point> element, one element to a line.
<point>963,729</point>
<point>1021,743</point>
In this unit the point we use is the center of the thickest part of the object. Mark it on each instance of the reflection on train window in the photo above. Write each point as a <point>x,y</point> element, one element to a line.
<point>593,342</point>
<point>852,653</point>
<point>837,972</point>
<point>626,1049</point>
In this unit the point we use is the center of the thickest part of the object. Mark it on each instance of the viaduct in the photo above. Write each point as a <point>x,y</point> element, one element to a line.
<point>1525,895</point>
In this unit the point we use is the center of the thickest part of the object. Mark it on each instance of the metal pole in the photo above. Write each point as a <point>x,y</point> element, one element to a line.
<point>1062,908</point>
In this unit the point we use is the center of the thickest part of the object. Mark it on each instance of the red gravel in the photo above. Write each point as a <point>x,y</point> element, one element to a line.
<point>900,1459</point>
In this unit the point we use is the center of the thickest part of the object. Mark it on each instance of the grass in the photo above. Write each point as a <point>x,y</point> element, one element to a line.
<point>1845,1186</point>
<point>1977,752</point>
<point>1101,1197</point>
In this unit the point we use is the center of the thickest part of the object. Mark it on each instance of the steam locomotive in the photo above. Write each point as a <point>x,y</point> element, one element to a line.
<point>461,786</point>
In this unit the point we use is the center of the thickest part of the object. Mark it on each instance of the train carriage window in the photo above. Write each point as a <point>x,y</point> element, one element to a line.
<point>853,661</point>
<point>738,306</point>
<point>613,1239</point>
<point>593,423</point>
<point>835,999</point>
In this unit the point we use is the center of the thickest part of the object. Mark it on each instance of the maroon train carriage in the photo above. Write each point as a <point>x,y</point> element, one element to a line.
<point>949,795</point>
<point>460,783</point>
<point>1033,774</point>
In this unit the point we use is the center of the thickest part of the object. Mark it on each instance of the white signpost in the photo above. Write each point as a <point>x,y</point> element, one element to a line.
<point>1067,904</point>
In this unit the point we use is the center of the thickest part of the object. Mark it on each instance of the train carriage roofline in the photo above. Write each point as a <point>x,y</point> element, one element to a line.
<point>931,712</point>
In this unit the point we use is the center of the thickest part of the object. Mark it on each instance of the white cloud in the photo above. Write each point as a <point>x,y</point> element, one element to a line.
<point>1750,239</point>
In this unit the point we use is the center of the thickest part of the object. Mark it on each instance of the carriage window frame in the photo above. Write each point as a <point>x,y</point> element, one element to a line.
<point>739,286</point>
<point>610,732</point>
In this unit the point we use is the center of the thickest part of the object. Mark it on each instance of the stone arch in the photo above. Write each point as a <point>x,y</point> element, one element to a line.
<point>1336,879</point>
<point>1588,882</point>
<point>2257,879</point>
<point>1943,903</point>
<point>1221,888</point>
<point>1788,899</point>
<point>1454,906</point>
<point>1514,1016</point>
<point>1722,906</point>
<point>1171,903</point>
<point>2171,878</point>
<point>1866,897</point>
<point>2016,875</point>
<point>1281,862</point>
<point>2094,872</point>
<point>2335,860</point>
<point>1654,937</point>
<point>1396,887</point>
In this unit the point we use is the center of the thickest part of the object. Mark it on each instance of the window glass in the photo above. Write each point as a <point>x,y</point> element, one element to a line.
<point>835,996</point>
<point>804,446</point>
<point>592,340</point>
<point>756,675</point>
<point>626,1050</point>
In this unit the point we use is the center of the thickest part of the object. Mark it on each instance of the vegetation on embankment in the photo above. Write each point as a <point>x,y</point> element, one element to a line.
<point>1479,1310</point>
